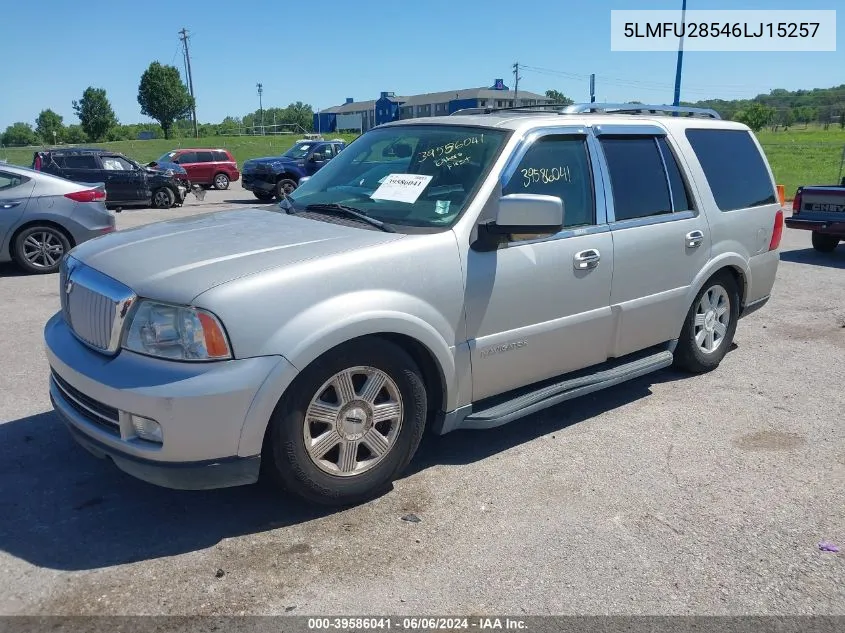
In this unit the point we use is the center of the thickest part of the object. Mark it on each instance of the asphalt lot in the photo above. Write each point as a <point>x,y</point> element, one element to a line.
<point>666,495</point>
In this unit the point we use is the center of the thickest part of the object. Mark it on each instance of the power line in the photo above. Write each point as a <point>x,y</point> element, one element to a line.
<point>183,35</point>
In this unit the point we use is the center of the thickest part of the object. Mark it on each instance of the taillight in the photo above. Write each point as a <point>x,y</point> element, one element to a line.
<point>37,165</point>
<point>87,195</point>
<point>796,203</point>
<point>777,232</point>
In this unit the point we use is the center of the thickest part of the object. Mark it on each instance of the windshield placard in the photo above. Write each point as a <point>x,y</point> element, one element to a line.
<point>402,188</point>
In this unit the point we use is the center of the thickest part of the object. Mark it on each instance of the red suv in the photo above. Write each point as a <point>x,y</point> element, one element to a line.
<point>205,166</point>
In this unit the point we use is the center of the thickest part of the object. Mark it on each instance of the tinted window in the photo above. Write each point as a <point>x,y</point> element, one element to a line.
<point>205,157</point>
<point>221,157</point>
<point>187,157</point>
<point>734,168</point>
<point>681,199</point>
<point>558,166</point>
<point>10,181</point>
<point>637,177</point>
<point>81,161</point>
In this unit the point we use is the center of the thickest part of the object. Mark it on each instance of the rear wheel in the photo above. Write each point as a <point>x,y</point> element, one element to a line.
<point>221,181</point>
<point>349,424</point>
<point>710,325</point>
<point>39,249</point>
<point>284,187</point>
<point>824,243</point>
<point>163,198</point>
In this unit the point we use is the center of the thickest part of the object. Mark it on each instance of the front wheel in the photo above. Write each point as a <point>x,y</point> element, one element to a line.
<point>824,243</point>
<point>284,187</point>
<point>163,198</point>
<point>710,325</point>
<point>349,424</point>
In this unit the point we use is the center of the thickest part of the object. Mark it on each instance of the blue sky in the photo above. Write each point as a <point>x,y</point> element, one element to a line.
<point>322,52</point>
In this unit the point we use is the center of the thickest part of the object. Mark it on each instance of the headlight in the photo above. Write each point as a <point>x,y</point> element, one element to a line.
<point>177,332</point>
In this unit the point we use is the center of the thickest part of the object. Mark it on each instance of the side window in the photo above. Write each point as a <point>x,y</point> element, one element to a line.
<point>734,168</point>
<point>10,181</point>
<point>637,177</point>
<point>116,163</point>
<point>205,157</point>
<point>187,157</point>
<point>220,157</point>
<point>559,165</point>
<point>81,161</point>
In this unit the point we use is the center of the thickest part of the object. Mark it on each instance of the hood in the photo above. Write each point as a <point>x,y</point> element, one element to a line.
<point>269,160</point>
<point>177,260</point>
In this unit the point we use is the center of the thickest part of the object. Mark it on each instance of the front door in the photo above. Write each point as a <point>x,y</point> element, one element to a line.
<point>15,191</point>
<point>123,179</point>
<point>318,157</point>
<point>540,306</point>
<point>661,238</point>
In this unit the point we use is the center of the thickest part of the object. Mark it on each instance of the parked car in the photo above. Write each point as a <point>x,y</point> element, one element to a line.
<point>275,176</point>
<point>42,217</point>
<point>127,183</point>
<point>820,209</point>
<point>501,264</point>
<point>206,167</point>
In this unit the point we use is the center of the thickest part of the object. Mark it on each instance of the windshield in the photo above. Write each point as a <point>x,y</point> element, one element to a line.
<point>299,151</point>
<point>166,158</point>
<point>412,175</point>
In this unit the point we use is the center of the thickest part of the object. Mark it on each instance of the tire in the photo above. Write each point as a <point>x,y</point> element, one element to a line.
<point>332,480</point>
<point>284,186</point>
<point>221,181</point>
<point>691,355</point>
<point>824,243</point>
<point>163,198</point>
<point>263,195</point>
<point>39,249</point>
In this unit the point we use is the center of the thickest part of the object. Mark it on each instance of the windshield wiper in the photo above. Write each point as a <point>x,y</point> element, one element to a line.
<point>352,211</point>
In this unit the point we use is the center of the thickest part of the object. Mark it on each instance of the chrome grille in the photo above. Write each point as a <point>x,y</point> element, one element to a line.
<point>92,410</point>
<point>94,305</point>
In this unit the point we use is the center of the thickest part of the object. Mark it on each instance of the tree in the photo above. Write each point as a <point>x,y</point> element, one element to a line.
<point>19,134</point>
<point>558,97</point>
<point>49,126</point>
<point>95,113</point>
<point>74,134</point>
<point>163,96</point>
<point>756,116</point>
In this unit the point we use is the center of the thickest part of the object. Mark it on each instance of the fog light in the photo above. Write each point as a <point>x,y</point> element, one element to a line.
<point>146,429</point>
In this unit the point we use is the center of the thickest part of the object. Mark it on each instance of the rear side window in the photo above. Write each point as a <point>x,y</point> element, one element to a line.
<point>637,177</point>
<point>205,157</point>
<point>221,157</point>
<point>10,181</point>
<point>558,165</point>
<point>81,161</point>
<point>734,168</point>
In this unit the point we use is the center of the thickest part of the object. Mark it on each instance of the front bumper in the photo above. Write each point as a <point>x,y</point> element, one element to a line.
<point>257,182</point>
<point>827,227</point>
<point>202,409</point>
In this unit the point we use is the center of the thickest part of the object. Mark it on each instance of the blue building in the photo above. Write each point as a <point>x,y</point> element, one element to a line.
<point>363,115</point>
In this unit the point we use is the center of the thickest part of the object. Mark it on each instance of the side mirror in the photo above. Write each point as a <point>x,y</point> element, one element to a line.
<point>521,213</point>
<point>315,157</point>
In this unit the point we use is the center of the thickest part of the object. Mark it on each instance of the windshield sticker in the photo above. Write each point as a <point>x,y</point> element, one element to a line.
<point>450,148</point>
<point>441,207</point>
<point>402,188</point>
<point>545,175</point>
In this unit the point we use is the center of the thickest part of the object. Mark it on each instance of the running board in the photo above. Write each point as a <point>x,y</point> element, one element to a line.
<point>526,404</point>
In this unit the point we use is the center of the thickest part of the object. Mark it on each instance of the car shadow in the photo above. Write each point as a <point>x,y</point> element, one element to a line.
<point>10,269</point>
<point>812,257</point>
<point>64,509</point>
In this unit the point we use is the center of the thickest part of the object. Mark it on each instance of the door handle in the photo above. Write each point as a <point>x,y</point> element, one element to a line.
<point>587,259</point>
<point>694,239</point>
<point>9,205</point>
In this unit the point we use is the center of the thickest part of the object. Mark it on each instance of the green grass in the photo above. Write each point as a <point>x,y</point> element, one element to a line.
<point>242,147</point>
<point>797,156</point>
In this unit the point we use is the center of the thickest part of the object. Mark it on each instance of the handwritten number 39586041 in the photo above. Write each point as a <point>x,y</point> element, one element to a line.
<point>545,175</point>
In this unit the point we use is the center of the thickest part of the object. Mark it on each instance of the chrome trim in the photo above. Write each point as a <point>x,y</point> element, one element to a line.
<point>629,130</point>
<point>111,423</point>
<point>104,310</point>
<point>529,137</point>
<point>666,174</point>
<point>575,231</point>
<point>653,219</point>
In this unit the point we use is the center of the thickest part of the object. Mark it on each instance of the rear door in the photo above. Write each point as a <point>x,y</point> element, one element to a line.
<point>661,238</point>
<point>15,191</point>
<point>82,168</point>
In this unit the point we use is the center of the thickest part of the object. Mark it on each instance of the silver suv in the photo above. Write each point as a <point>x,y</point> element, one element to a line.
<point>445,273</point>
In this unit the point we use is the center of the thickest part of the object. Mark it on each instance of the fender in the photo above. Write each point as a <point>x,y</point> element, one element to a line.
<point>725,260</point>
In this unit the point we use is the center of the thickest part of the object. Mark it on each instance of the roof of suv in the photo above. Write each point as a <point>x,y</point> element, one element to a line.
<point>200,149</point>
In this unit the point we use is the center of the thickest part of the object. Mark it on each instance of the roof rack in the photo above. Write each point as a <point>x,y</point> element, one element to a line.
<point>605,108</point>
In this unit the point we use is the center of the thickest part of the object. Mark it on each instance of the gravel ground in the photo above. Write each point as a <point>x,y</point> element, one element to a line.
<point>666,495</point>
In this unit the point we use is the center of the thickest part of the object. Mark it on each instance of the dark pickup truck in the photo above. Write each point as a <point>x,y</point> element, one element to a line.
<point>821,210</point>
<point>275,176</point>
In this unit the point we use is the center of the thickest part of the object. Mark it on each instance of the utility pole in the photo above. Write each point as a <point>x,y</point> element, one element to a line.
<point>677,101</point>
<point>593,88</point>
<point>261,105</point>
<point>516,79</point>
<point>183,36</point>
